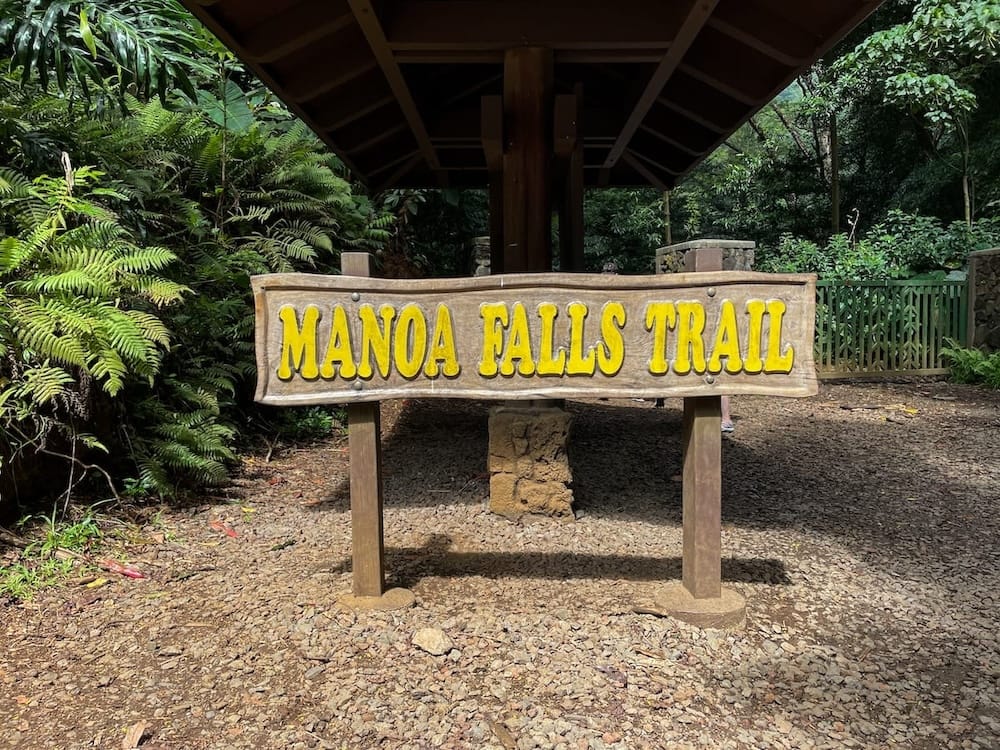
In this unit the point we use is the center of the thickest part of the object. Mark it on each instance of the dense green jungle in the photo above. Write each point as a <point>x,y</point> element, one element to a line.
<point>145,176</point>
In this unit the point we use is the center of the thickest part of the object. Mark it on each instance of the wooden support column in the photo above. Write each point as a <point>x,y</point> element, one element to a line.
<point>491,126</point>
<point>527,103</point>
<point>700,599</point>
<point>702,492</point>
<point>365,445</point>
<point>569,153</point>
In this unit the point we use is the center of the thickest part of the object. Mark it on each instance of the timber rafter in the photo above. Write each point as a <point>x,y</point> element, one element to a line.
<point>395,86</point>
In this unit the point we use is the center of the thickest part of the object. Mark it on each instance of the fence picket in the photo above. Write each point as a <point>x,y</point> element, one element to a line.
<point>886,327</point>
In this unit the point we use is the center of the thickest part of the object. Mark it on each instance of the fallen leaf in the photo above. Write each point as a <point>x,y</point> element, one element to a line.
<point>126,570</point>
<point>248,509</point>
<point>224,527</point>
<point>97,583</point>
<point>22,700</point>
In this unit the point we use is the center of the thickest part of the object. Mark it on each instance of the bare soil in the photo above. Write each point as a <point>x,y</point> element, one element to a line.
<point>861,525</point>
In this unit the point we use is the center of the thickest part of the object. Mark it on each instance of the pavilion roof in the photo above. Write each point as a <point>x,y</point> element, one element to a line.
<point>395,87</point>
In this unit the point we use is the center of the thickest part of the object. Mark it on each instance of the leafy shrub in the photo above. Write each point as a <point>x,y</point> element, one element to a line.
<point>972,365</point>
<point>902,246</point>
<point>82,303</point>
<point>226,205</point>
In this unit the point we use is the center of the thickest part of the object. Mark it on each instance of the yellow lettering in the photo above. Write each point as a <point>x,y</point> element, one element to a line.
<point>611,353</point>
<point>753,363</point>
<point>727,342</point>
<point>442,347</point>
<point>579,363</point>
<point>776,361</point>
<point>659,317</point>
<point>410,341</point>
<point>549,363</point>
<point>339,349</point>
<point>518,345</point>
<point>375,340</point>
<point>690,344</point>
<point>494,322</point>
<point>298,346</point>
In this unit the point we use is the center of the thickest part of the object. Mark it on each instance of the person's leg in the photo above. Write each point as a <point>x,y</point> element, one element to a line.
<point>727,421</point>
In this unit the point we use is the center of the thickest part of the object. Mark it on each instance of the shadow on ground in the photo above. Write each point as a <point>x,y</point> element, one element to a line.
<point>878,487</point>
<point>437,558</point>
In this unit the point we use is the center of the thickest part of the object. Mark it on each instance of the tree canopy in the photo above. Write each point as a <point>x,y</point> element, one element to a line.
<point>147,175</point>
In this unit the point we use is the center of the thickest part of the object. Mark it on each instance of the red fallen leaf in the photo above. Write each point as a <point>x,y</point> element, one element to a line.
<point>224,527</point>
<point>126,570</point>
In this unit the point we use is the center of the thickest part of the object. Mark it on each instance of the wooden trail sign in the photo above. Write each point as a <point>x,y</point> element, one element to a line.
<point>350,339</point>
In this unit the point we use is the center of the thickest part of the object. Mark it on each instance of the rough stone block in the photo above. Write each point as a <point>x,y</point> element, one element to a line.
<point>528,461</point>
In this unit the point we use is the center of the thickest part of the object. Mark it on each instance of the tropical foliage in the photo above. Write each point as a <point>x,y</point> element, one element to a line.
<point>147,176</point>
<point>128,235</point>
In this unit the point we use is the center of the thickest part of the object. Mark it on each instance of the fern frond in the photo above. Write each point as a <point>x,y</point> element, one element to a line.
<point>145,259</point>
<point>44,383</point>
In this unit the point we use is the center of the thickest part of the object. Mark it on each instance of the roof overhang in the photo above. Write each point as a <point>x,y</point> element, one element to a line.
<point>395,87</point>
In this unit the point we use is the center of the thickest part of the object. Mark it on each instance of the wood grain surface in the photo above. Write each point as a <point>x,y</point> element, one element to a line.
<point>530,336</point>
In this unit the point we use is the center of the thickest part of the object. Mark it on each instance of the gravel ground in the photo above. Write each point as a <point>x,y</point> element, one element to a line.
<point>864,539</point>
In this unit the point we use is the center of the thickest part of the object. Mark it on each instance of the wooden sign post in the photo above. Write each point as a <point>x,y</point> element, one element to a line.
<point>700,598</point>
<point>358,340</point>
<point>364,435</point>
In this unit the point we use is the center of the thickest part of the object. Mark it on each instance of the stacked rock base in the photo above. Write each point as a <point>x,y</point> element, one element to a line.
<point>528,463</point>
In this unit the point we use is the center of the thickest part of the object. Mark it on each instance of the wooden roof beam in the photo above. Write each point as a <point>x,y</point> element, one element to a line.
<point>476,25</point>
<point>862,8</point>
<point>495,56</point>
<point>667,157</point>
<point>394,161</point>
<point>375,136</point>
<point>372,29</point>
<point>598,122</point>
<point>404,168</point>
<point>698,13</point>
<point>667,139</point>
<point>759,28</point>
<point>709,124</point>
<point>733,92</point>
<point>315,86</point>
<point>682,131</point>
<point>355,59</point>
<point>294,29</point>
<point>653,163</point>
<point>646,173</point>
<point>343,111</point>
<point>705,99</point>
<point>648,55</point>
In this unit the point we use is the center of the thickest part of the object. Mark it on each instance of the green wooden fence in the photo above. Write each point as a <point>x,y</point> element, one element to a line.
<point>870,328</point>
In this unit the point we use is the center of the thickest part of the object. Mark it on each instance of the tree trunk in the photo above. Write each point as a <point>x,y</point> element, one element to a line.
<point>834,175</point>
<point>967,195</point>
<point>667,230</point>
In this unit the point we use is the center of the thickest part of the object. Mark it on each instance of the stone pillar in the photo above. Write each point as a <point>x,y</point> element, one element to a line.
<point>529,467</point>
<point>737,255</point>
<point>984,300</point>
<point>481,260</point>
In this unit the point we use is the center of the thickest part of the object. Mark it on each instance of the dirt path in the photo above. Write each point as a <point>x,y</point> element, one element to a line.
<point>865,541</point>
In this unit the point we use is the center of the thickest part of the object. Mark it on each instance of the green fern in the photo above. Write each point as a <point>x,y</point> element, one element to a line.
<point>79,308</point>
